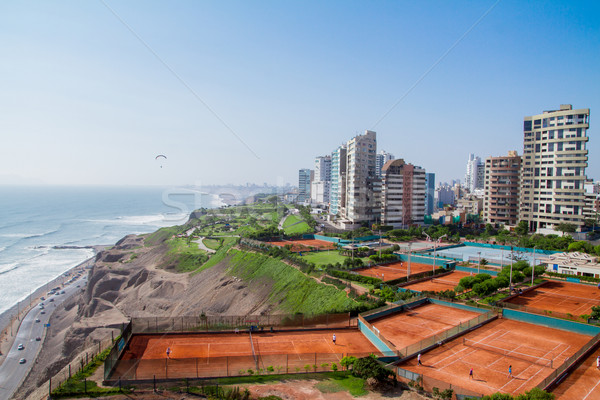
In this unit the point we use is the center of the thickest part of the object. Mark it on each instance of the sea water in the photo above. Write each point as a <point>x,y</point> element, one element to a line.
<point>35,222</point>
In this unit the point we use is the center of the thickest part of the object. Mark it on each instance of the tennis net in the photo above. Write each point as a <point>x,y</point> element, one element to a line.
<point>253,352</point>
<point>544,362</point>
<point>449,283</point>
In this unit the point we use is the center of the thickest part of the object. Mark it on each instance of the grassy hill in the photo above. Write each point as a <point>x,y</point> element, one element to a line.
<point>291,289</point>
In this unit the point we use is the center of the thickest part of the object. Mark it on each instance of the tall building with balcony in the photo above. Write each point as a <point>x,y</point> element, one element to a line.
<point>337,193</point>
<point>502,182</point>
<point>553,171</point>
<point>363,188</point>
<point>321,184</point>
<point>304,178</point>
<point>403,193</point>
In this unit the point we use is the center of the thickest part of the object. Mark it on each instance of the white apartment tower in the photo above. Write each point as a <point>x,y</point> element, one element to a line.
<point>321,184</point>
<point>553,168</point>
<point>474,175</point>
<point>337,194</point>
<point>403,194</point>
<point>363,188</point>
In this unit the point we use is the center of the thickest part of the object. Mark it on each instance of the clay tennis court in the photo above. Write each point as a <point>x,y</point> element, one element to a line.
<point>582,383</point>
<point>419,323</point>
<point>208,355</point>
<point>446,282</point>
<point>564,297</point>
<point>304,244</point>
<point>393,271</point>
<point>532,351</point>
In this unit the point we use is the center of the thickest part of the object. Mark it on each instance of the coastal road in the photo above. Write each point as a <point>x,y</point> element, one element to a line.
<point>12,372</point>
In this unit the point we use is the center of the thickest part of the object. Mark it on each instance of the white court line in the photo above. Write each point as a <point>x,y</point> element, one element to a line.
<point>590,392</point>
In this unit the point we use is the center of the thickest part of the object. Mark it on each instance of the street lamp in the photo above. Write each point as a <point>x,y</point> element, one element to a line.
<point>511,265</point>
<point>408,271</point>
<point>533,266</point>
<point>435,242</point>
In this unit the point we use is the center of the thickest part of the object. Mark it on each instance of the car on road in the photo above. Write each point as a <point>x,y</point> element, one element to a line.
<point>51,300</point>
<point>22,361</point>
<point>20,347</point>
<point>37,339</point>
<point>42,312</point>
<point>62,292</point>
<point>37,320</point>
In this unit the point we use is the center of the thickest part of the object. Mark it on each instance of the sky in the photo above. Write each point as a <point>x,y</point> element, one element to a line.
<point>252,91</point>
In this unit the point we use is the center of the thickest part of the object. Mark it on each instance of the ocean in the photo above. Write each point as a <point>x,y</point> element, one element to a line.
<point>36,221</point>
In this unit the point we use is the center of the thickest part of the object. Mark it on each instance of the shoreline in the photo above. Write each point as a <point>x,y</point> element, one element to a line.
<point>9,318</point>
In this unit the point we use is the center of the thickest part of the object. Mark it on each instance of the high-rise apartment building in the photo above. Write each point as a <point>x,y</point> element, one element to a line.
<point>337,193</point>
<point>380,159</point>
<point>430,193</point>
<point>304,178</point>
<point>444,195</point>
<point>363,188</point>
<point>553,170</point>
<point>502,182</point>
<point>474,175</point>
<point>321,184</point>
<point>403,193</point>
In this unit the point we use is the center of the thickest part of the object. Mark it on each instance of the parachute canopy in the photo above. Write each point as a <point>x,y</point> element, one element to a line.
<point>159,156</point>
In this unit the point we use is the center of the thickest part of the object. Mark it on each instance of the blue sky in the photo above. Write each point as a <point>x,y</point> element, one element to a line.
<point>84,101</point>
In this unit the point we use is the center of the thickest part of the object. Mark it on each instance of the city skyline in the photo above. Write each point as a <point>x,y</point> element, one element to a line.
<point>94,91</point>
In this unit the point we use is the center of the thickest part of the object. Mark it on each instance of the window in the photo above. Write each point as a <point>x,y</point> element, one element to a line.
<point>526,125</point>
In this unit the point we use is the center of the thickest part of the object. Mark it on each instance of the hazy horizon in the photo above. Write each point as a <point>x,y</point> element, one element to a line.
<point>237,92</point>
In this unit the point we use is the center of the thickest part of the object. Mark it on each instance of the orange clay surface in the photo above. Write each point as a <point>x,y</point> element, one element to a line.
<point>393,270</point>
<point>225,354</point>
<point>583,383</point>
<point>304,244</point>
<point>446,282</point>
<point>564,297</point>
<point>419,323</point>
<point>452,361</point>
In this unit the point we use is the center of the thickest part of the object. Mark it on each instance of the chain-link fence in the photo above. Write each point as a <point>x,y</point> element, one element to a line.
<point>129,371</point>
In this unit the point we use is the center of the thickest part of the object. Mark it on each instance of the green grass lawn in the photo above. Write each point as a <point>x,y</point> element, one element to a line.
<point>296,229</point>
<point>186,256</point>
<point>290,220</point>
<point>213,244</point>
<point>327,257</point>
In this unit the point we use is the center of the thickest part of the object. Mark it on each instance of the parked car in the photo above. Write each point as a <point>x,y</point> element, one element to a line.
<point>20,346</point>
<point>37,339</point>
<point>22,361</point>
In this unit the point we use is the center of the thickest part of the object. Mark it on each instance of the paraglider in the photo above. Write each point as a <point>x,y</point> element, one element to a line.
<point>160,156</point>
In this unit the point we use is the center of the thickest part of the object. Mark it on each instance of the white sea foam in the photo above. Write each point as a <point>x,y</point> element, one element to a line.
<point>143,220</point>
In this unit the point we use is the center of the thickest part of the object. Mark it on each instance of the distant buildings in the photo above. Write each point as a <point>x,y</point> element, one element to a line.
<point>502,184</point>
<point>304,178</point>
<point>403,193</point>
<point>553,171</point>
<point>380,159</point>
<point>429,193</point>
<point>444,195</point>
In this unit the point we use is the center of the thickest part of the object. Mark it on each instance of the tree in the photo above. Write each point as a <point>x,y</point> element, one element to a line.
<point>595,312</point>
<point>522,228</point>
<point>565,227</point>
<point>368,367</point>
<point>483,262</point>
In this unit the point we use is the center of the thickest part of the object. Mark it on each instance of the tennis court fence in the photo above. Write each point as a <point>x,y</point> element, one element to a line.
<point>539,311</point>
<point>570,362</point>
<point>224,322</point>
<point>136,370</point>
<point>436,340</point>
<point>428,383</point>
